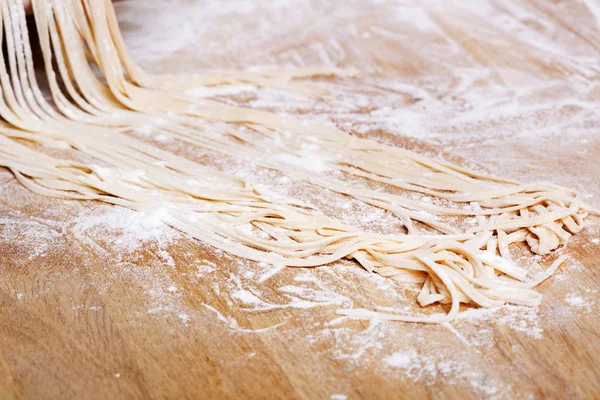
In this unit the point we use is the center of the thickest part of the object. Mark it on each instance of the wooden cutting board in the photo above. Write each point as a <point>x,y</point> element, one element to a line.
<point>100,302</point>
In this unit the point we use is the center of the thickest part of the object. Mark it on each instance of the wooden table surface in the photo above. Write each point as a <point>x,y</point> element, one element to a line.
<point>100,302</point>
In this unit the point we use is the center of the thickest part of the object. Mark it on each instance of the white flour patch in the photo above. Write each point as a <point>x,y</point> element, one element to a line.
<point>126,230</point>
<point>417,367</point>
<point>246,297</point>
<point>579,301</point>
<point>37,236</point>
<point>521,319</point>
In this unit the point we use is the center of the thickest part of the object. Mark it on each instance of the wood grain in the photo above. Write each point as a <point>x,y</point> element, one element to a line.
<point>82,316</point>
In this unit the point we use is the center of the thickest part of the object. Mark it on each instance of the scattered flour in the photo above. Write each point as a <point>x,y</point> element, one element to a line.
<point>519,318</point>
<point>579,301</point>
<point>417,367</point>
<point>124,229</point>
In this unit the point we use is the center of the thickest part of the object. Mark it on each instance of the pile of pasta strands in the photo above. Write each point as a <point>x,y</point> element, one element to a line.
<point>97,95</point>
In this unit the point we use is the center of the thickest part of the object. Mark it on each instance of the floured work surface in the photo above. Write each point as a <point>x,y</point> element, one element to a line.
<point>100,301</point>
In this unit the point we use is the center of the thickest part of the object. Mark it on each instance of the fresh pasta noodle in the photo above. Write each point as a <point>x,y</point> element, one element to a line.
<point>98,94</point>
<point>351,155</point>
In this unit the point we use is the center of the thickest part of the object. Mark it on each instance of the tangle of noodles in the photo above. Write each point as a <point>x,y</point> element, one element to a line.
<point>98,94</point>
